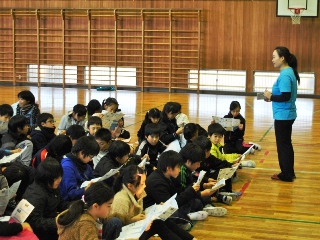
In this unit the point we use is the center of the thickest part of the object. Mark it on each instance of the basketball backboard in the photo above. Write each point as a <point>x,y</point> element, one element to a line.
<point>285,8</point>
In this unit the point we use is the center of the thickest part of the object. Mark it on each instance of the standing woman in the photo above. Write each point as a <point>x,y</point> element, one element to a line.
<point>283,98</point>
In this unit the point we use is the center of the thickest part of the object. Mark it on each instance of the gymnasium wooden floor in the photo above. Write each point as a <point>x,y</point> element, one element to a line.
<point>267,209</point>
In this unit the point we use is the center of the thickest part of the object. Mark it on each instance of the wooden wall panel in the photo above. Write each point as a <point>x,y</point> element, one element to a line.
<point>236,34</point>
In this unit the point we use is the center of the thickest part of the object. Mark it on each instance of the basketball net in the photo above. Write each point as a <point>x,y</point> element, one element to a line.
<point>297,15</point>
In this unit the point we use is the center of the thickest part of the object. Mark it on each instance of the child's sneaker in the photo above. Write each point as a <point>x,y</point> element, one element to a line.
<point>231,194</point>
<point>185,226</point>
<point>252,150</point>
<point>256,146</point>
<point>234,178</point>
<point>200,215</point>
<point>248,163</point>
<point>215,211</point>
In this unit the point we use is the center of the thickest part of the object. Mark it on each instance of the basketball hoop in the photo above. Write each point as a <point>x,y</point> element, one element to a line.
<point>297,15</point>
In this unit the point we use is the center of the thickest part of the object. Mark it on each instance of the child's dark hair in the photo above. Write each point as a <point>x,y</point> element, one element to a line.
<point>93,107</point>
<point>80,109</point>
<point>131,174</point>
<point>190,130</point>
<point>234,105</point>
<point>118,149</point>
<point>27,95</point>
<point>203,142</point>
<point>98,193</point>
<point>94,120</point>
<point>47,171</point>
<point>59,146</point>
<point>87,145</point>
<point>169,159</point>
<point>43,117</point>
<point>193,153</point>
<point>215,128</point>
<point>17,121</point>
<point>75,132</point>
<point>110,101</point>
<point>152,113</point>
<point>103,134</point>
<point>152,129</point>
<point>6,109</point>
<point>171,107</point>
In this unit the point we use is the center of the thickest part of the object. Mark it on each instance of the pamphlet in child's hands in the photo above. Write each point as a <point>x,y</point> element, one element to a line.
<point>200,177</point>
<point>248,151</point>
<point>104,177</point>
<point>13,189</point>
<point>219,184</point>
<point>110,120</point>
<point>143,163</point>
<point>135,230</point>
<point>12,157</point>
<point>226,173</point>
<point>22,211</point>
<point>4,199</point>
<point>227,123</point>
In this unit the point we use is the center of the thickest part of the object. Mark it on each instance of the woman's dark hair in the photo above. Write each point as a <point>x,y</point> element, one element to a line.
<point>6,109</point>
<point>169,159</point>
<point>98,193</point>
<point>215,128</point>
<point>94,120</point>
<point>59,146</point>
<point>193,153</point>
<point>234,105</point>
<point>87,145</point>
<point>17,121</point>
<point>80,109</point>
<point>47,171</point>
<point>75,132</point>
<point>94,106</point>
<point>130,174</point>
<point>103,134</point>
<point>290,59</point>
<point>118,149</point>
<point>43,117</point>
<point>110,101</point>
<point>27,95</point>
<point>203,142</point>
<point>189,130</point>
<point>152,113</point>
<point>152,129</point>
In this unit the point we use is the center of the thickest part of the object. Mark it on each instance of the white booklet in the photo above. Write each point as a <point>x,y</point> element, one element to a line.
<point>226,173</point>
<point>12,157</point>
<point>104,177</point>
<point>110,120</point>
<point>143,163</point>
<point>227,123</point>
<point>200,177</point>
<point>22,211</point>
<point>13,189</point>
<point>219,184</point>
<point>135,230</point>
<point>6,194</point>
<point>4,199</point>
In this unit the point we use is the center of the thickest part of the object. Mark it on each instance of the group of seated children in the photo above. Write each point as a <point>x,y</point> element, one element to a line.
<point>53,169</point>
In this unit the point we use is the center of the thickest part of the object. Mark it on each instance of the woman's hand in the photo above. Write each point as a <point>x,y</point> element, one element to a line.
<point>267,95</point>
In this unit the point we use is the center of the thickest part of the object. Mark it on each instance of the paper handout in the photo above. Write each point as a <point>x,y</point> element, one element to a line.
<point>12,157</point>
<point>219,184</point>
<point>227,123</point>
<point>200,177</point>
<point>104,177</point>
<point>110,120</point>
<point>135,230</point>
<point>22,211</point>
